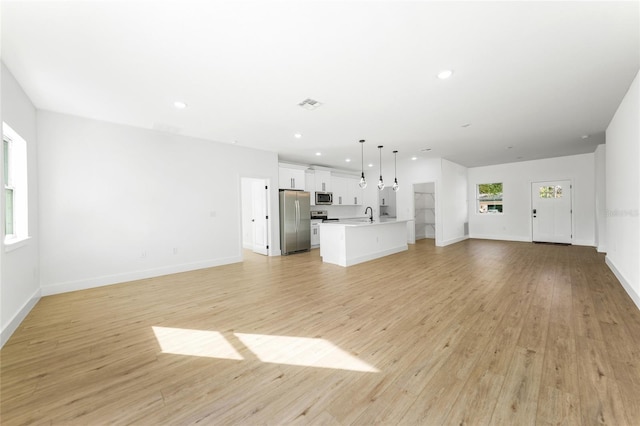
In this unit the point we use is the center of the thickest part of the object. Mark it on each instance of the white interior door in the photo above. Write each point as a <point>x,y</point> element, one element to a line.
<point>551,211</point>
<point>259,216</point>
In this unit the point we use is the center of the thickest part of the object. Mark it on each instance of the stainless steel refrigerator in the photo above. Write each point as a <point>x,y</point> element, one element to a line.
<point>295,222</point>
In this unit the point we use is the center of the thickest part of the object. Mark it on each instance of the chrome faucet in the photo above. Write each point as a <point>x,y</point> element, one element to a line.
<point>370,214</point>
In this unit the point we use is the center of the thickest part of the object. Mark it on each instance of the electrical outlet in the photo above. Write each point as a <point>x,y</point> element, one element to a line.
<point>175,250</point>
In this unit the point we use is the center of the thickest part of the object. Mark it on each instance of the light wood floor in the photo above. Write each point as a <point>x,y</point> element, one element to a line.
<point>480,332</point>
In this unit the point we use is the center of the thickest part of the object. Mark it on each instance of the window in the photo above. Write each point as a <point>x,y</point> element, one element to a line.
<point>14,150</point>
<point>489,196</point>
<point>551,191</point>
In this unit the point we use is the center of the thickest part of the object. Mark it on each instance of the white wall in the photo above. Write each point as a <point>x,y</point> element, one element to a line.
<point>421,170</point>
<point>19,287</point>
<point>623,192</point>
<point>515,223</point>
<point>600,198</point>
<point>450,180</point>
<point>120,203</point>
<point>453,202</point>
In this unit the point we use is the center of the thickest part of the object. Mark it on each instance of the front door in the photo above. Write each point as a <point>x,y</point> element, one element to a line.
<point>551,211</point>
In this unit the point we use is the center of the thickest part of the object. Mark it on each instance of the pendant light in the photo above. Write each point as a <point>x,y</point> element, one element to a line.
<point>395,186</point>
<point>363,181</point>
<point>380,182</point>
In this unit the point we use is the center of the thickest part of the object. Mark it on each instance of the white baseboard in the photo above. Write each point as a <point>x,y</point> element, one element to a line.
<point>587,243</point>
<point>602,249</point>
<point>451,241</point>
<point>501,237</point>
<point>634,296</point>
<point>22,313</point>
<point>65,287</point>
<point>376,255</point>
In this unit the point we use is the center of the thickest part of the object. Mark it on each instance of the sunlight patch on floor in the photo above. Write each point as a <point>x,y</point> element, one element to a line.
<point>286,350</point>
<point>303,351</point>
<point>182,341</point>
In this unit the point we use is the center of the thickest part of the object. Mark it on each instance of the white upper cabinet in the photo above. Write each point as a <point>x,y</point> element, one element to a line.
<point>384,196</point>
<point>388,201</point>
<point>323,181</point>
<point>354,192</point>
<point>290,178</point>
<point>339,188</point>
<point>346,191</point>
<point>310,185</point>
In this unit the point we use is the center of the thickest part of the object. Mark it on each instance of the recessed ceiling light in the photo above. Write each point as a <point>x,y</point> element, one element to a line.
<point>466,125</point>
<point>348,160</point>
<point>297,135</point>
<point>414,158</point>
<point>318,154</point>
<point>509,147</point>
<point>444,74</point>
<point>425,149</point>
<point>370,165</point>
<point>179,104</point>
<point>585,136</point>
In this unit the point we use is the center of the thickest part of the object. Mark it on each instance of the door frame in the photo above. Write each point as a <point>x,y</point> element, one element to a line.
<point>436,214</point>
<point>269,210</point>
<point>570,180</point>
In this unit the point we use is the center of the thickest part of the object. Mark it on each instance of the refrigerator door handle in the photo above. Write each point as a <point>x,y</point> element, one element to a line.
<point>297,214</point>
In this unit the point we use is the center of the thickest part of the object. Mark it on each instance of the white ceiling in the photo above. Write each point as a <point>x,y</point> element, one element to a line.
<point>534,76</point>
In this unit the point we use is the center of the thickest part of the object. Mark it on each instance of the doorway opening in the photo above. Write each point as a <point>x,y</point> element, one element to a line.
<point>424,202</point>
<point>255,215</point>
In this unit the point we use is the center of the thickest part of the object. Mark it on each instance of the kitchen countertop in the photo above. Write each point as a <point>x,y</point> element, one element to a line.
<point>362,222</point>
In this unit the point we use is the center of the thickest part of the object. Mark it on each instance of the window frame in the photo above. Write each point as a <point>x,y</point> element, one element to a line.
<point>8,187</point>
<point>15,179</point>
<point>479,201</point>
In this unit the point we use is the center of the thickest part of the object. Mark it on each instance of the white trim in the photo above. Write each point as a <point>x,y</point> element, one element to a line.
<point>588,243</point>
<point>625,284</point>
<point>17,319</point>
<point>501,237</point>
<point>602,249</point>
<point>452,241</point>
<point>65,287</point>
<point>15,243</point>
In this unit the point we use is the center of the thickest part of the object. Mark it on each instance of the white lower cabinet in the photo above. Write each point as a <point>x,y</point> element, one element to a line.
<point>315,234</point>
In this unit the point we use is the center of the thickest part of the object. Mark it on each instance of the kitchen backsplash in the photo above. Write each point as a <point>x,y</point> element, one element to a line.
<point>342,211</point>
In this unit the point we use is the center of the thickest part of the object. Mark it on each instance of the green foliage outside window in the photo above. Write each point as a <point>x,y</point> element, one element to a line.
<point>490,188</point>
<point>490,198</point>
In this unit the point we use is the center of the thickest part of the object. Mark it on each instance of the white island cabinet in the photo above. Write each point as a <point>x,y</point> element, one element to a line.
<point>349,243</point>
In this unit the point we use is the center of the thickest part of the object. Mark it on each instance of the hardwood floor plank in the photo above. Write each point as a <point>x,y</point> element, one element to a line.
<point>600,399</point>
<point>479,332</point>
<point>518,399</point>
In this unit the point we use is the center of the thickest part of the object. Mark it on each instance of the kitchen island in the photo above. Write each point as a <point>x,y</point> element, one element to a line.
<point>347,243</point>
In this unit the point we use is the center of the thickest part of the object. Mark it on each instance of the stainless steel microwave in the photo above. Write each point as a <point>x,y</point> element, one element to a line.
<point>324,198</point>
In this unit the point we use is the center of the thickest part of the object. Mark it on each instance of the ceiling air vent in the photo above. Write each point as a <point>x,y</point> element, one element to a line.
<point>309,104</point>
